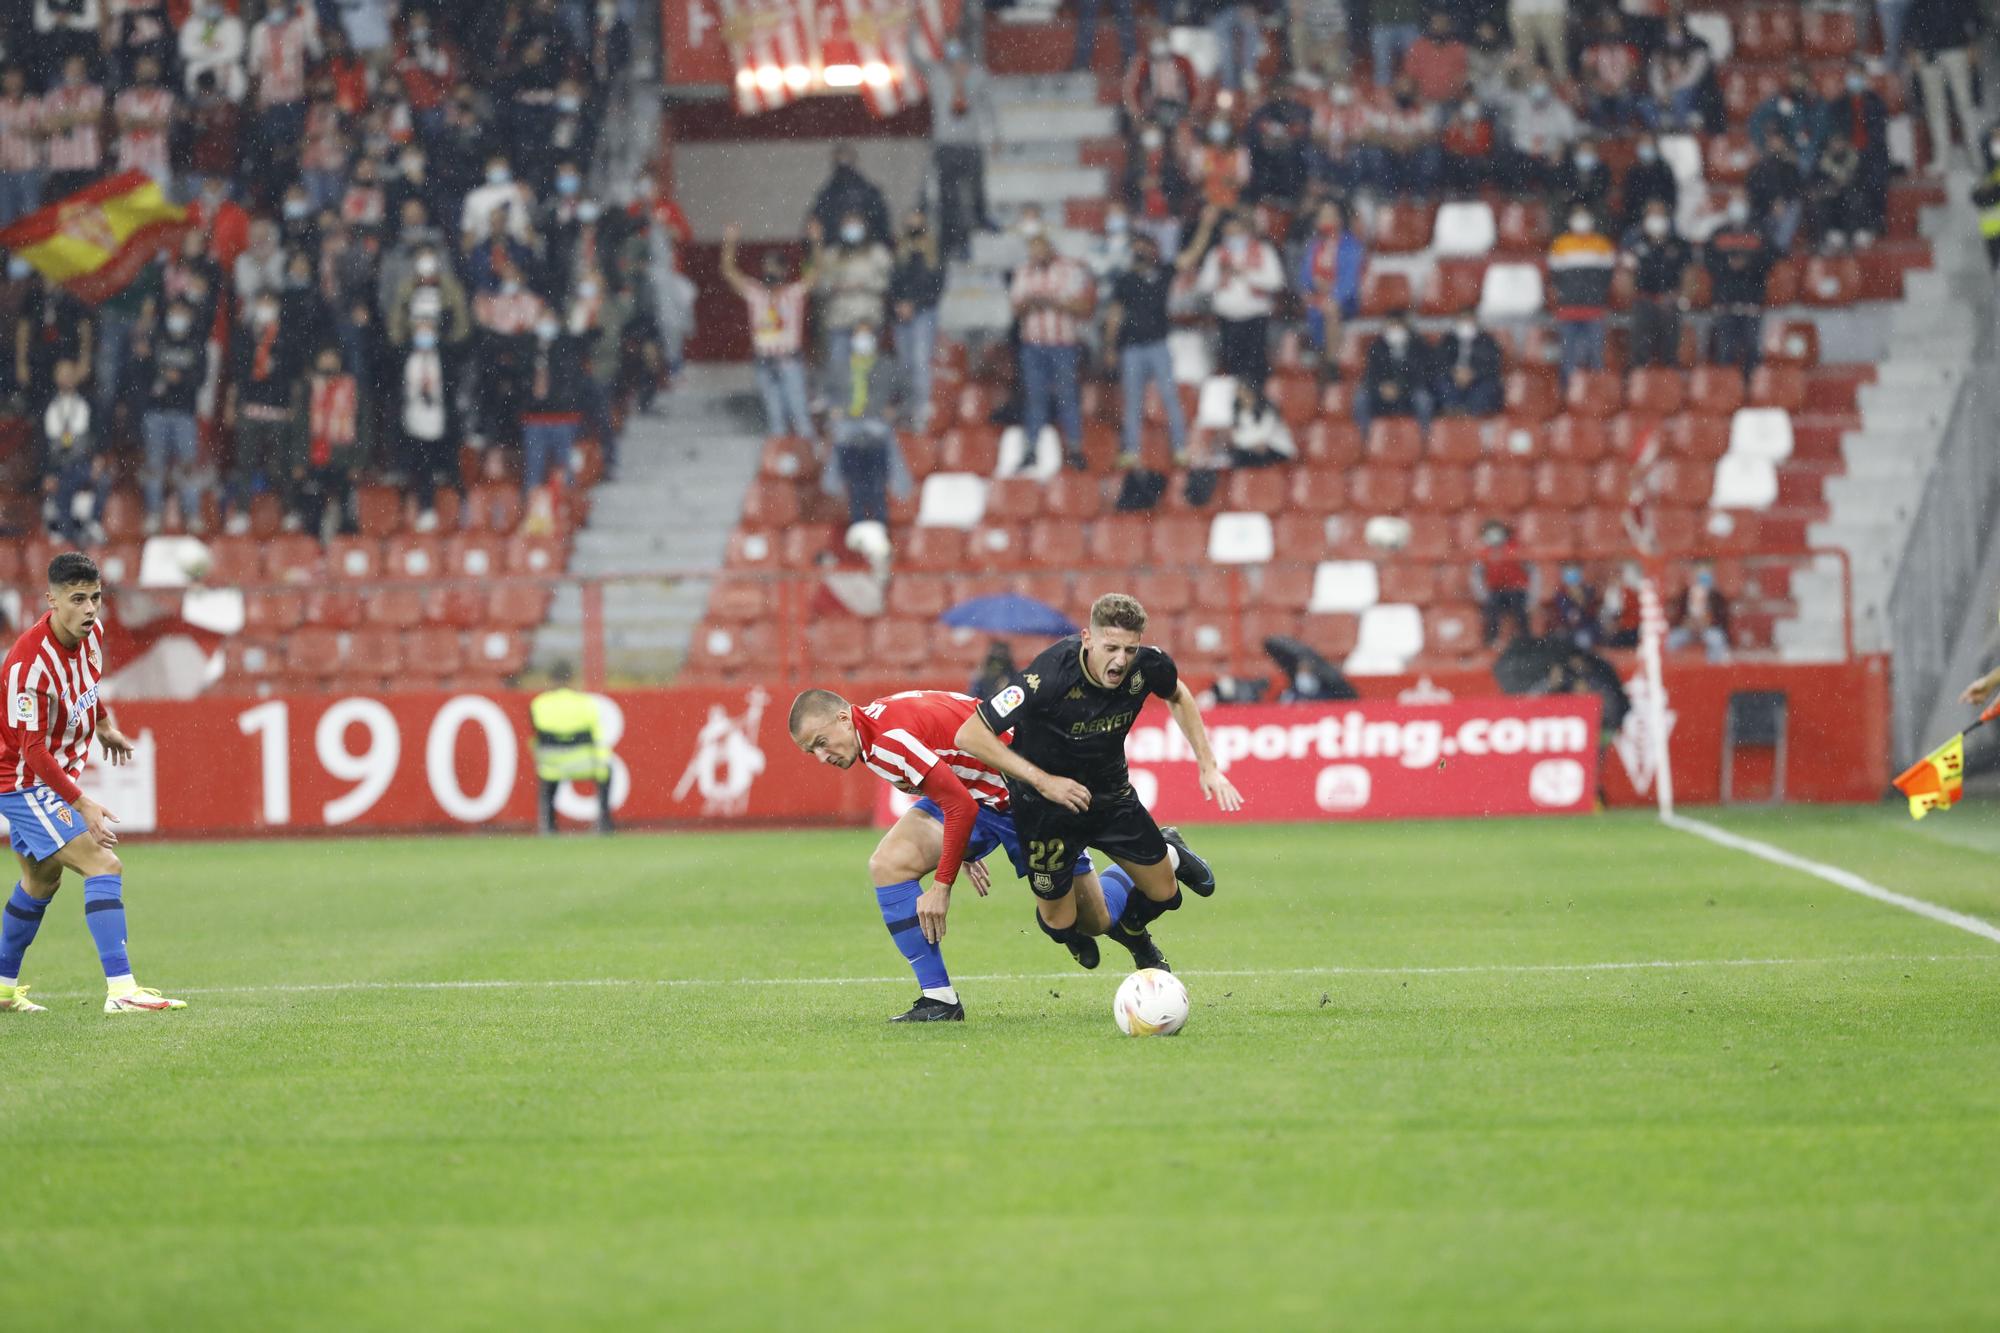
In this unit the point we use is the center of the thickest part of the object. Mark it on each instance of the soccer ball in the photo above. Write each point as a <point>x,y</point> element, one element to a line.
<point>1151,1003</point>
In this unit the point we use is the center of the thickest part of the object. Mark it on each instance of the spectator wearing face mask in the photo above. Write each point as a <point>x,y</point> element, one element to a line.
<point>1279,139</point>
<point>1466,164</point>
<point>144,114</point>
<point>1541,33</point>
<point>1438,62</point>
<point>427,64</point>
<point>1403,157</point>
<point>1329,279</point>
<point>1647,180</point>
<point>964,122</point>
<point>1700,615</point>
<point>337,425</point>
<point>1861,114</point>
<point>852,275</point>
<point>916,287</point>
<point>75,477</point>
<point>426,421</point>
<point>1052,297</point>
<point>1618,613</point>
<point>1574,608</point>
<point>1242,279</point>
<point>551,409</point>
<point>847,193</point>
<point>1503,584</point>
<point>1395,379</point>
<point>1583,180</point>
<point>1660,263</point>
<point>1839,210</point>
<point>501,206</point>
<point>1466,378</point>
<point>212,42</point>
<point>71,122</point>
<point>864,393</point>
<point>1157,191</point>
<point>1775,187</point>
<point>429,290</point>
<point>170,364</point>
<point>1541,127</point>
<point>777,311</point>
<point>1792,118</point>
<point>1681,77</point>
<point>1136,323</point>
<point>1343,130</point>
<point>1110,250</point>
<point>1219,165</point>
<point>1258,435</point>
<point>1611,71</point>
<point>283,46</point>
<point>1581,264</point>
<point>1160,87</point>
<point>1739,258</point>
<point>262,407</point>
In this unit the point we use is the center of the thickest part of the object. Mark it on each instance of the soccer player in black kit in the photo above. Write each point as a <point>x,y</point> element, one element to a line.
<point>1070,710</point>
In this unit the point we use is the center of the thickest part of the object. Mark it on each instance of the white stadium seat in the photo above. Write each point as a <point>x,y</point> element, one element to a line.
<point>1215,408</point>
<point>1391,635</point>
<point>1713,28</point>
<point>1682,153</point>
<point>1344,586</point>
<point>1761,432</point>
<point>1241,539</point>
<point>1510,291</point>
<point>1465,229</point>
<point>1744,481</point>
<point>952,500</point>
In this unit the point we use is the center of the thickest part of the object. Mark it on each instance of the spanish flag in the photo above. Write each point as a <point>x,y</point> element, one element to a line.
<point>1936,781</point>
<point>95,241</point>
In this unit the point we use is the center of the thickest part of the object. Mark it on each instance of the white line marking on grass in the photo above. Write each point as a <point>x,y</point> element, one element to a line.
<point>1639,965</point>
<point>1834,875</point>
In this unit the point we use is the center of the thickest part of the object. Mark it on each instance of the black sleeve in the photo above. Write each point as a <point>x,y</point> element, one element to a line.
<point>1008,704</point>
<point>1162,676</point>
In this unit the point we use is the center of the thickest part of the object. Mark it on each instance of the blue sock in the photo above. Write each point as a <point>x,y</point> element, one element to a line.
<point>104,913</point>
<point>1117,889</point>
<point>899,913</point>
<point>18,924</point>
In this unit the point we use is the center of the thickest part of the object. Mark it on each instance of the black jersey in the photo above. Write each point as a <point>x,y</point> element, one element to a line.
<point>1066,724</point>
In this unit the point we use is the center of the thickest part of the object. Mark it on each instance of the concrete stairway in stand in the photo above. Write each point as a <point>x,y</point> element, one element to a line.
<point>681,479</point>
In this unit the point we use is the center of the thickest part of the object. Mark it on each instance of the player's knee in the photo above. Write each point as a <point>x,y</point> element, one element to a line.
<point>1059,914</point>
<point>98,860</point>
<point>892,865</point>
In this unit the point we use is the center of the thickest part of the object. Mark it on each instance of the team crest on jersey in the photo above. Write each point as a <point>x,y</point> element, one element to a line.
<point>63,814</point>
<point>1008,700</point>
<point>1138,683</point>
<point>1042,882</point>
<point>96,658</point>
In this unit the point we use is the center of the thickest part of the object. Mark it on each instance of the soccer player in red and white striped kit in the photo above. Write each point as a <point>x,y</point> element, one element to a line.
<point>54,711</point>
<point>909,741</point>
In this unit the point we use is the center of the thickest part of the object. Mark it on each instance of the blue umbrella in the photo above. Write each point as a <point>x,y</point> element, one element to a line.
<point>1008,613</point>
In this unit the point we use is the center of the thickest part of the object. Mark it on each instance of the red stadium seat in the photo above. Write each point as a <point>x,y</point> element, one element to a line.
<point>749,550</point>
<point>1829,34</point>
<point>1296,396</point>
<point>770,503</point>
<point>1055,543</point>
<point>492,506</point>
<point>1402,581</point>
<point>459,605</point>
<point>378,511</point>
<point>1561,485</point>
<point>837,642</point>
<point>1501,487</point>
<point>1594,393</point>
<point>1831,280</point>
<point>1073,496</point>
<point>1163,592</point>
<point>1531,395</point>
<point>1790,342</point>
<point>1288,586</point>
<point>1049,587</point>
<point>1783,287</point>
<point>311,653</point>
<point>1611,482</point>
<point>737,600</point>
<point>970,449</point>
<point>1440,488</point>
<point>1547,534</point>
<point>1601,533</point>
<point>1336,442</point>
<point>1118,541</point>
<point>900,644</point>
<point>1679,531</point>
<point>273,610</point>
<point>473,555</point>
<point>1384,293</point>
<point>1576,439</point>
<point>413,556</point>
<point>1778,386</point>
<point>542,556</point>
<point>267,515</point>
<point>1655,390</point>
<point>922,593</point>
<point>1456,440</point>
<point>934,548</point>
<point>802,547</point>
<point>394,607</point>
<point>1430,537</point>
<point>1013,500</point>
<point>787,458</point>
<point>1402,228</point>
<point>1452,288</point>
<point>354,558</point>
<point>236,560</point>
<point>1332,636</point>
<point>1256,490</point>
<point>1318,491</point>
<point>292,557</point>
<point>1683,481</point>
<point>1766,32</point>
<point>1523,229</point>
<point>1262,624</point>
<point>1176,540</point>
<point>1452,630</point>
<point>373,652</point>
<point>517,605</point>
<point>124,516</point>
<point>1700,435</point>
<point>996,547</point>
<point>118,563</point>
<point>1715,390</point>
<point>501,653</point>
<point>1395,441</point>
<point>1379,490</point>
<point>334,607</point>
<point>433,652</point>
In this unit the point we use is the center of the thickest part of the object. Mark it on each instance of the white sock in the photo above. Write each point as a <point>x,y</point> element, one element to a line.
<point>1173,857</point>
<point>8,982</point>
<point>949,994</point>
<point>120,985</point>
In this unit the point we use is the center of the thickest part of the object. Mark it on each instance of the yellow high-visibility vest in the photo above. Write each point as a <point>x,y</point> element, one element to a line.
<point>569,743</point>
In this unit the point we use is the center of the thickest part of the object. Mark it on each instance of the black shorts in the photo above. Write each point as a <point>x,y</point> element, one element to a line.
<point>1052,836</point>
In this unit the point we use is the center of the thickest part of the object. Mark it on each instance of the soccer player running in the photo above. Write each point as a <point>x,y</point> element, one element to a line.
<point>907,740</point>
<point>53,712</point>
<point>1070,711</point>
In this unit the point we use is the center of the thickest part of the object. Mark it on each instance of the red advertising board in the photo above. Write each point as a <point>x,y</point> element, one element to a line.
<point>1370,760</point>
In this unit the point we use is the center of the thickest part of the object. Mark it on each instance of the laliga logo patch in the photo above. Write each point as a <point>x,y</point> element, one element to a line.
<point>24,708</point>
<point>1008,700</point>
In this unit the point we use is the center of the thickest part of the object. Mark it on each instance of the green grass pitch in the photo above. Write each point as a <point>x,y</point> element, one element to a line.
<point>1409,1096</point>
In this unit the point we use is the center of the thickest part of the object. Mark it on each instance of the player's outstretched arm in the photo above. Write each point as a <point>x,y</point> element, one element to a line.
<point>977,739</point>
<point>1214,786</point>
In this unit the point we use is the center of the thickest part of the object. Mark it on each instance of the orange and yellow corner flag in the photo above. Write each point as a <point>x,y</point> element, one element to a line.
<point>94,242</point>
<point>1936,781</point>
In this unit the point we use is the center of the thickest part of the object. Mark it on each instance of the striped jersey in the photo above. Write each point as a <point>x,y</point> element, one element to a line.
<point>904,736</point>
<point>20,133</point>
<point>51,691</point>
<point>1060,280</point>
<point>80,146</point>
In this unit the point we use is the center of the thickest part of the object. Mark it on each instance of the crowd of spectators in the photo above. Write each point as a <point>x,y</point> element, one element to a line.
<point>395,249</point>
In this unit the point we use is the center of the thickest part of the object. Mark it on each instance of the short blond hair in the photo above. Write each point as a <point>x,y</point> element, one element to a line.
<point>1117,610</point>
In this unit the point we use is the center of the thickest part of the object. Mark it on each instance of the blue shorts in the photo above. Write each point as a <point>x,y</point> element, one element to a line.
<point>41,823</point>
<point>993,829</point>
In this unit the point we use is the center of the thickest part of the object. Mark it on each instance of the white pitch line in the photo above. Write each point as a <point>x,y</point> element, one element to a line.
<point>1834,875</point>
<point>1639,965</point>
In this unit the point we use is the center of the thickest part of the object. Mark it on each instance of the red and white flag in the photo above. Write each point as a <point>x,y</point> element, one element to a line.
<point>888,37</point>
<point>771,45</point>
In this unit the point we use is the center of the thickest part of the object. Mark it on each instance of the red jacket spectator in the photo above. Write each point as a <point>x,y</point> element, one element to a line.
<point>1438,62</point>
